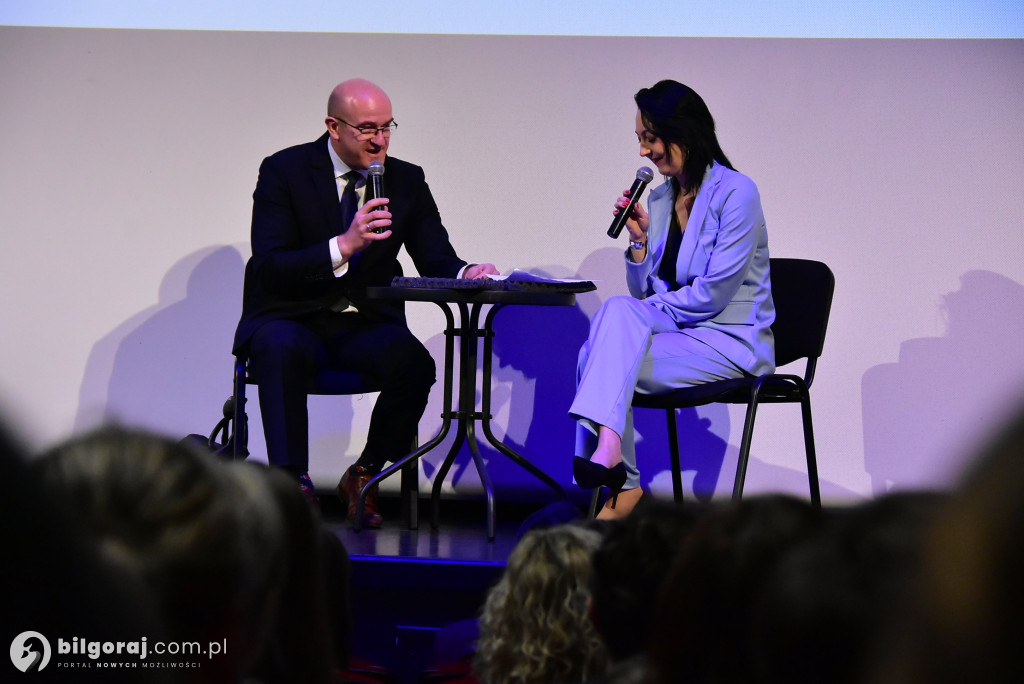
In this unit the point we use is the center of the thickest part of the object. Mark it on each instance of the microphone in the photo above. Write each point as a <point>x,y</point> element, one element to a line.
<point>643,176</point>
<point>374,190</point>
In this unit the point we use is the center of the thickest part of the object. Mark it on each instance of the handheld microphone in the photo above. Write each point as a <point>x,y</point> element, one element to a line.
<point>374,189</point>
<point>643,176</point>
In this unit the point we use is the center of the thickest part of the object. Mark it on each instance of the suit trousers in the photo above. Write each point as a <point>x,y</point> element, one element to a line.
<point>286,352</point>
<point>635,347</point>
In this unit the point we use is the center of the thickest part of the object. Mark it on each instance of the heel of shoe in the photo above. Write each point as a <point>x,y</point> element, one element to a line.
<point>590,475</point>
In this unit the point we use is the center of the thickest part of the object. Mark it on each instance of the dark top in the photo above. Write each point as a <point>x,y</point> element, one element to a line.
<point>667,270</point>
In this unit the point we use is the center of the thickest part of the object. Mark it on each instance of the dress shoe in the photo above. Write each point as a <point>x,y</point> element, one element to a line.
<point>352,482</point>
<point>590,475</point>
<point>309,492</point>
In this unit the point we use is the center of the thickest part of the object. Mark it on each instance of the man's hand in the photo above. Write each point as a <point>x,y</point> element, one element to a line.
<point>372,215</point>
<point>474,271</point>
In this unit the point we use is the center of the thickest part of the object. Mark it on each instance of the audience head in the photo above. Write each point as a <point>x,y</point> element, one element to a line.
<point>204,538</point>
<point>964,620</point>
<point>629,569</point>
<point>535,626</point>
<point>701,623</point>
<point>830,599</point>
<point>57,583</point>
<point>302,644</point>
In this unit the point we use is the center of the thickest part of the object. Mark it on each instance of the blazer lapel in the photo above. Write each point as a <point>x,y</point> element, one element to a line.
<point>322,171</point>
<point>685,265</point>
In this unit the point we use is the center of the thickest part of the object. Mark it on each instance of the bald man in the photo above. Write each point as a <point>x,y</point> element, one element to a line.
<point>304,306</point>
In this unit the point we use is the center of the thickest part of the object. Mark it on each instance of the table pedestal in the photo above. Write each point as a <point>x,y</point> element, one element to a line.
<point>468,330</point>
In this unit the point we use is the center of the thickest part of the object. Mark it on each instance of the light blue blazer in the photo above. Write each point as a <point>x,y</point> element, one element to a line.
<point>725,299</point>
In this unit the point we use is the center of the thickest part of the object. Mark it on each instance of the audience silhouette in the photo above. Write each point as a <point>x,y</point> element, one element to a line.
<point>123,533</point>
<point>535,627</point>
<point>629,569</point>
<point>703,615</point>
<point>214,544</point>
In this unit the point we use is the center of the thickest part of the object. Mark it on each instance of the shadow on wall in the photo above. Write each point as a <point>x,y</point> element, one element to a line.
<point>534,382</point>
<point>918,411</point>
<point>168,368</point>
<point>533,379</point>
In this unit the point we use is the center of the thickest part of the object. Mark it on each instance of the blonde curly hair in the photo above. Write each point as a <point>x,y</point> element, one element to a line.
<point>535,625</point>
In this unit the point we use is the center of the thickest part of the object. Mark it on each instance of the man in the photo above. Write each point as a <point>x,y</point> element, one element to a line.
<point>313,254</point>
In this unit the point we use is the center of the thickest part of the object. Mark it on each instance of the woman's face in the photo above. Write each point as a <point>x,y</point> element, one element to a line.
<point>668,158</point>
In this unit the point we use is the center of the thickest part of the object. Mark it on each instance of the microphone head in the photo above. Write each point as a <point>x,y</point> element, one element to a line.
<point>377,169</point>
<point>643,174</point>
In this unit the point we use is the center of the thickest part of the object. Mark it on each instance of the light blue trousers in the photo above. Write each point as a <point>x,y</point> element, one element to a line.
<point>635,347</point>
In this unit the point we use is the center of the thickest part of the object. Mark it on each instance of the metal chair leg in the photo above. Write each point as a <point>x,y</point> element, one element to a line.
<point>744,456</point>
<point>812,461</point>
<point>676,463</point>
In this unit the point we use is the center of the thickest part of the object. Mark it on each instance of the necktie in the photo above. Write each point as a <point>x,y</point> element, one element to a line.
<point>349,204</point>
<point>349,201</point>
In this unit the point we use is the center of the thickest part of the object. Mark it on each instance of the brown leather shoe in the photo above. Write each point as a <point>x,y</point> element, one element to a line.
<point>352,482</point>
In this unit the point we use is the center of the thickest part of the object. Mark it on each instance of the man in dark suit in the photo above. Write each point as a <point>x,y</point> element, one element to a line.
<point>313,253</point>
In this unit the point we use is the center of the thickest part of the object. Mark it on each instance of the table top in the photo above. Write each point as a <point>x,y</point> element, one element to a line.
<point>465,296</point>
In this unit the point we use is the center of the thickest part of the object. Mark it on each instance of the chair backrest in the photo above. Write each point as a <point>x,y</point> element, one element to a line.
<point>802,291</point>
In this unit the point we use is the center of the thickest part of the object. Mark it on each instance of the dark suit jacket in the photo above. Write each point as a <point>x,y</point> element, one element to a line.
<point>296,211</point>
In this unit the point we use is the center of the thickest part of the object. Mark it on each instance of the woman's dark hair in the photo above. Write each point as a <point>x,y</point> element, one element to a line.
<point>677,114</point>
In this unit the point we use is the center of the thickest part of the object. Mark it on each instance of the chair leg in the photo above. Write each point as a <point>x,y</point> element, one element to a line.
<point>594,499</point>
<point>744,456</point>
<point>410,490</point>
<point>812,461</point>
<point>240,427</point>
<point>673,446</point>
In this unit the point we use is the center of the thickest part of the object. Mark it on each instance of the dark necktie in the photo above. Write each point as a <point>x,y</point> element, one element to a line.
<point>349,201</point>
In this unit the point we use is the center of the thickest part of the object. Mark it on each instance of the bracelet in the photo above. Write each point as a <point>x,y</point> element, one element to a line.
<point>637,245</point>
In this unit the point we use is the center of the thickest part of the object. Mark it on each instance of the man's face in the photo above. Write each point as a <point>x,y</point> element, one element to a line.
<point>361,111</point>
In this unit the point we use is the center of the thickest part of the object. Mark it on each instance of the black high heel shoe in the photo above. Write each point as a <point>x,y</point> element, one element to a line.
<point>590,475</point>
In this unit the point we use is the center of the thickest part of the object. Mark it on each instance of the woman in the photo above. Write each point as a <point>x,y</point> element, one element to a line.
<point>701,304</point>
<point>535,627</point>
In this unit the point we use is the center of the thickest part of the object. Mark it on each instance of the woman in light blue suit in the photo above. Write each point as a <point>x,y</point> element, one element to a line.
<point>701,304</point>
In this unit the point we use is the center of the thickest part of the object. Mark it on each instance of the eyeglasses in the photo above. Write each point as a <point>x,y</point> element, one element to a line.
<point>370,132</point>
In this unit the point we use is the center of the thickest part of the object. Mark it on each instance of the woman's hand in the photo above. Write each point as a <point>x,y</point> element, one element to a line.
<point>638,221</point>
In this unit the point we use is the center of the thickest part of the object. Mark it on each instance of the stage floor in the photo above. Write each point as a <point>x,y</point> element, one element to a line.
<point>460,537</point>
<point>456,540</point>
<point>408,585</point>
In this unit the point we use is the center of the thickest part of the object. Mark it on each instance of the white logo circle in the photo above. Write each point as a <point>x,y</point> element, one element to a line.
<point>27,654</point>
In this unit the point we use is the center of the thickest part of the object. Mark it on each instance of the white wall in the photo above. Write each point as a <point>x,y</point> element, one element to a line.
<point>129,158</point>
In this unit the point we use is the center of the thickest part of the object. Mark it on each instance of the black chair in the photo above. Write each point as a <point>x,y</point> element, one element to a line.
<point>325,382</point>
<point>802,291</point>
